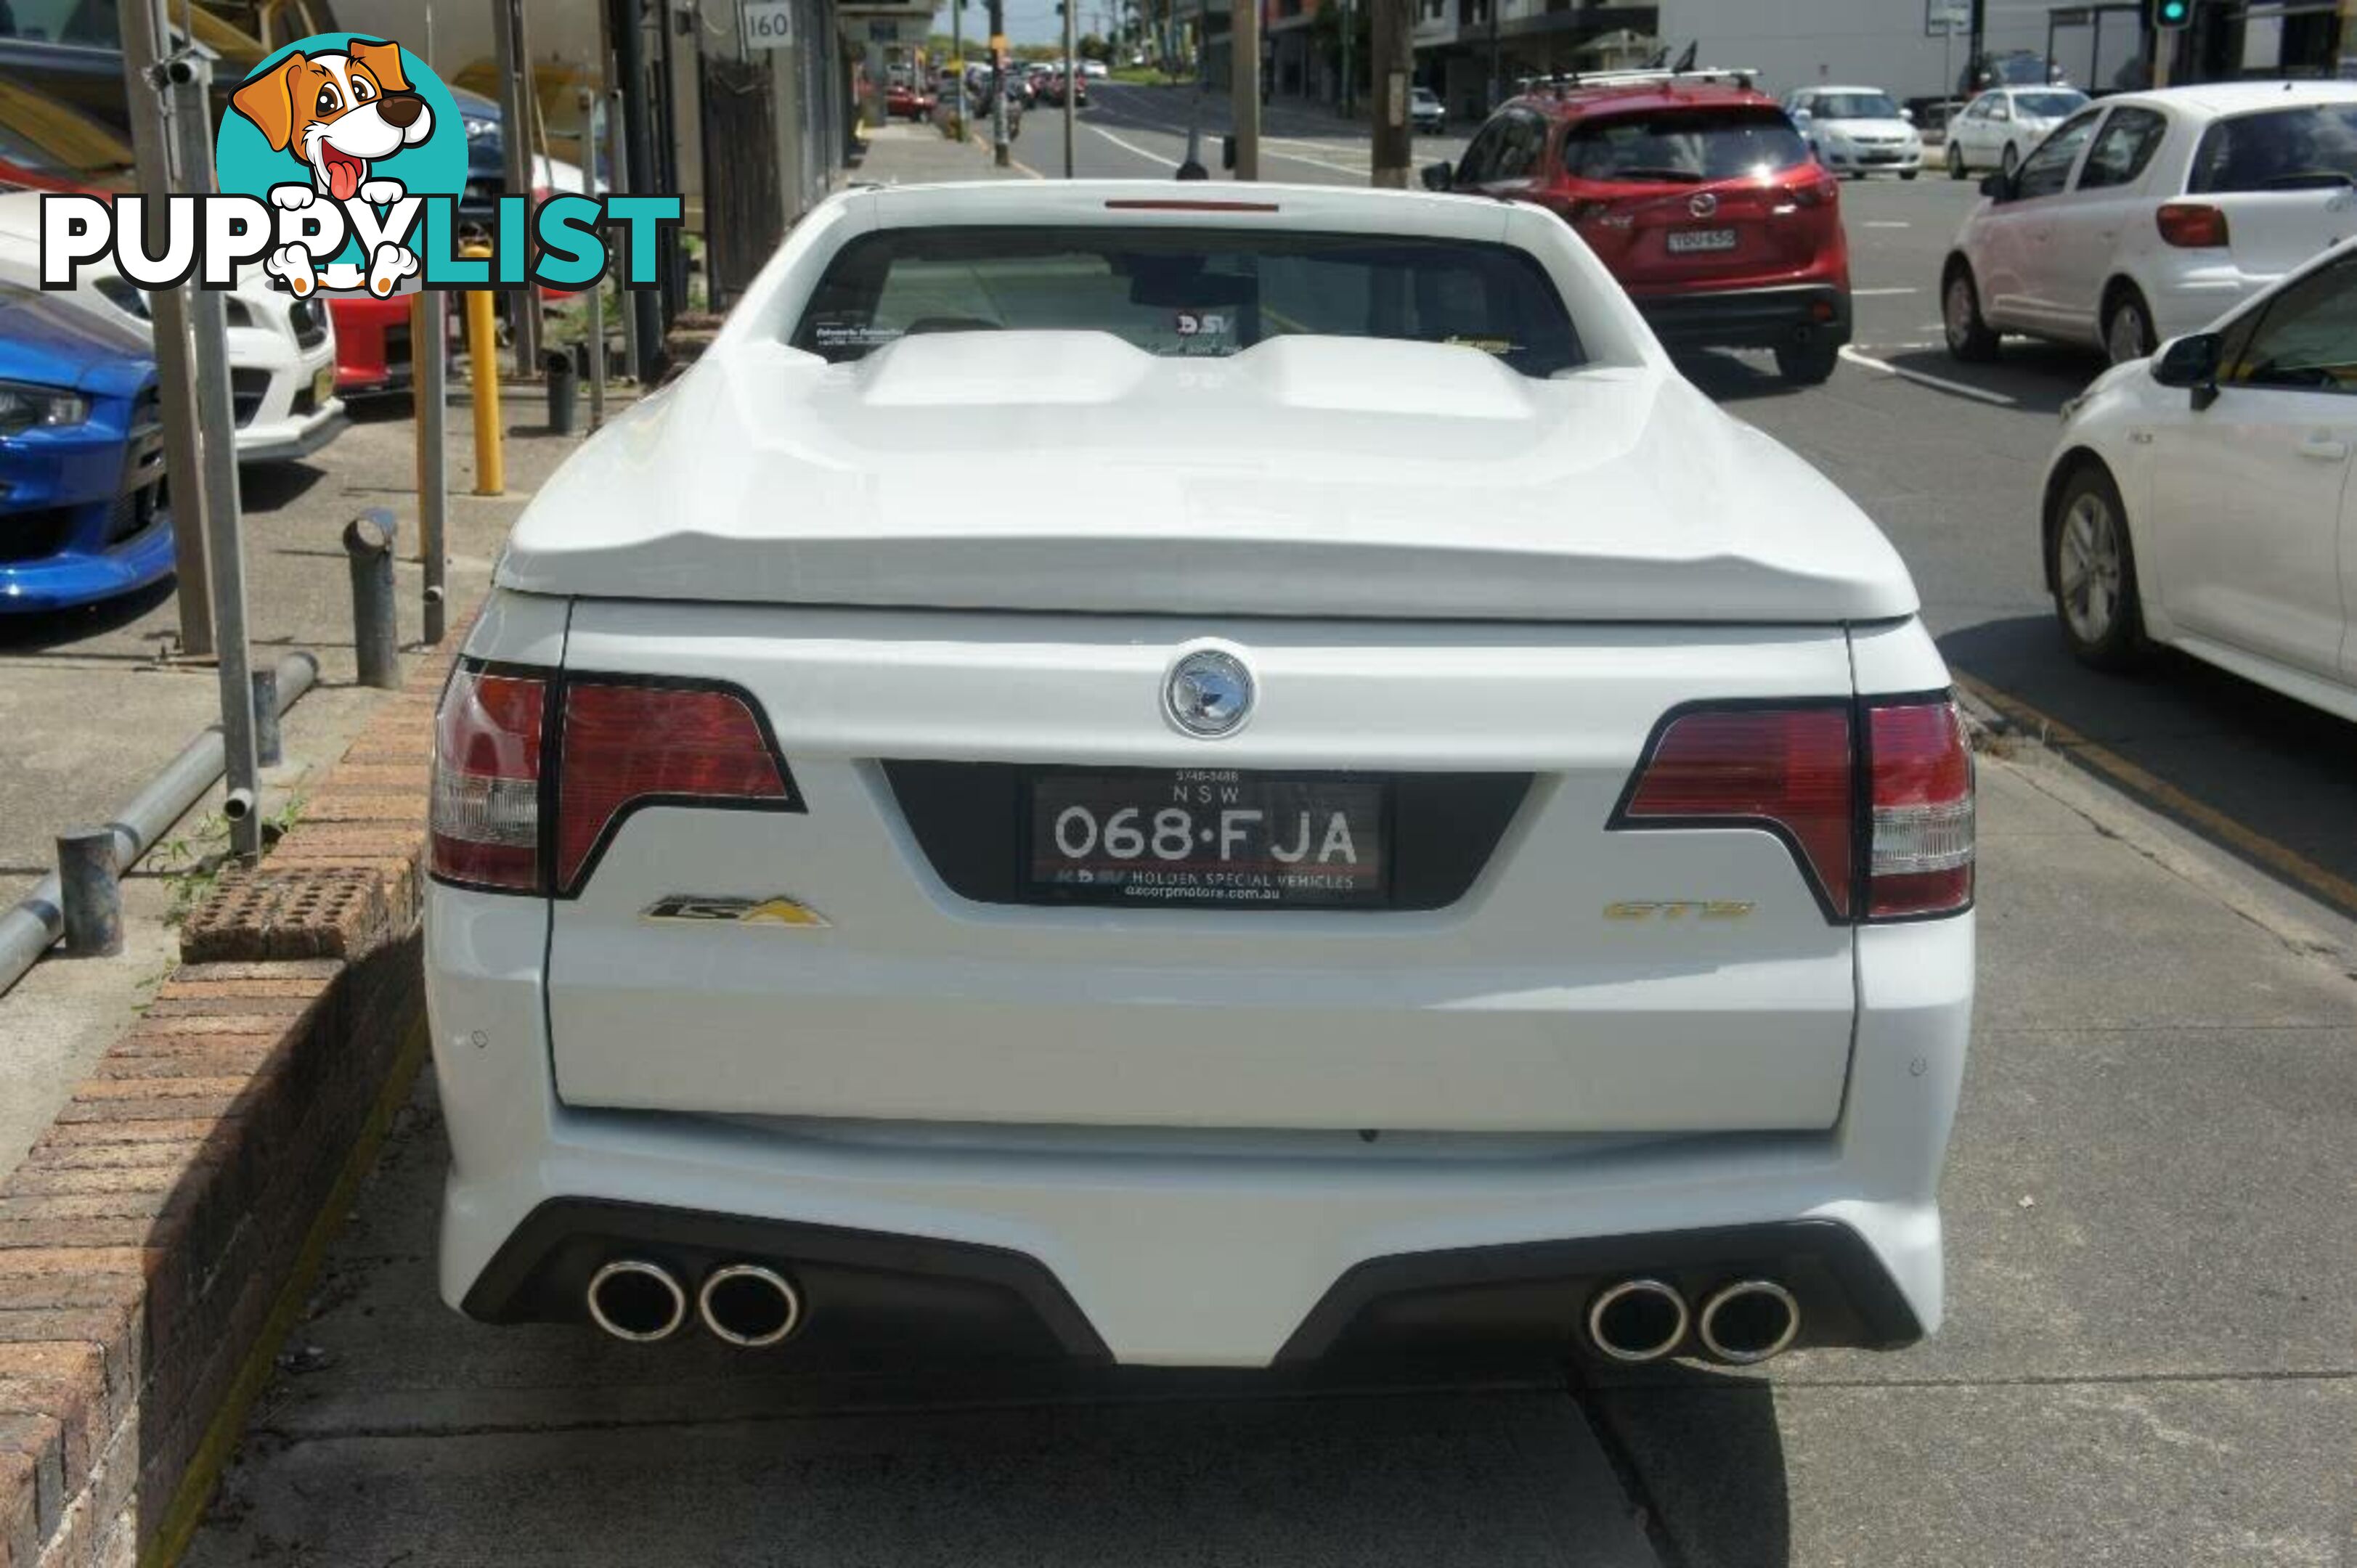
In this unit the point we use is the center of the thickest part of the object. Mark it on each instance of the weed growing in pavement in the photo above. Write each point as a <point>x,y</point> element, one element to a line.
<point>192,862</point>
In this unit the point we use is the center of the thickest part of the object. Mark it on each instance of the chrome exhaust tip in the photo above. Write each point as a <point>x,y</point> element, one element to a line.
<point>748,1304</point>
<point>632,1299</point>
<point>1637,1320</point>
<point>1749,1322</point>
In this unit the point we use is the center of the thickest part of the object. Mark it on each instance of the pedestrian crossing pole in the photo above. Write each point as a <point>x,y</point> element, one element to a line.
<point>1071,80</point>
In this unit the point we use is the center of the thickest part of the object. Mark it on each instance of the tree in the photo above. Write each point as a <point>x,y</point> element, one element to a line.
<point>1094,48</point>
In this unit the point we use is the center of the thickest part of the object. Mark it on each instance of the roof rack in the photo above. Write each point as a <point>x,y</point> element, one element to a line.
<point>1569,81</point>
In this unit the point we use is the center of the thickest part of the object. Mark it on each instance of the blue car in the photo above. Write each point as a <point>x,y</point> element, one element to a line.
<point>82,510</point>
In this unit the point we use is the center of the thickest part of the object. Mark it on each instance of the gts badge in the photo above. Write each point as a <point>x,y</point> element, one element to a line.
<point>699,908</point>
<point>1677,909</point>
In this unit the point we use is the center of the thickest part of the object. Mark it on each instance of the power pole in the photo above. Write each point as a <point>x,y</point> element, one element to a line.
<point>1244,84</point>
<point>957,61</point>
<point>998,150</point>
<point>1071,80</point>
<point>1395,143</point>
<point>142,34</point>
<point>515,142</point>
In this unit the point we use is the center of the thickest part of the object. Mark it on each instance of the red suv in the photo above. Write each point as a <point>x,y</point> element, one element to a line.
<point>1700,196</point>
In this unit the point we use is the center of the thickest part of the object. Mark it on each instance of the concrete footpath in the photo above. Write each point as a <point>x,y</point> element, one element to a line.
<point>92,710</point>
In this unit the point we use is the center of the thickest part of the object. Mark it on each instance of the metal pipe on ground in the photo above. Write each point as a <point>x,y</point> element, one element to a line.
<point>37,920</point>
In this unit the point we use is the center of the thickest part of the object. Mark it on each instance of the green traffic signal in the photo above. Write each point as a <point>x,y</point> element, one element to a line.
<point>2171,14</point>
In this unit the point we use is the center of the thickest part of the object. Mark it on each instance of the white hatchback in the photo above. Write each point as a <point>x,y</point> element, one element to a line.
<point>2144,216</point>
<point>1858,131</point>
<point>2201,499</point>
<point>1475,845</point>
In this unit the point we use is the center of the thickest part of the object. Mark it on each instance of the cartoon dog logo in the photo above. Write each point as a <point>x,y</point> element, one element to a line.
<point>336,111</point>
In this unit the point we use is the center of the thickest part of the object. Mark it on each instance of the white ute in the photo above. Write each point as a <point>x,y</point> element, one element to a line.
<point>1441,836</point>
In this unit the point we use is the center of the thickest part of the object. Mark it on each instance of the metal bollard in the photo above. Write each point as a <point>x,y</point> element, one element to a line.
<point>563,386</point>
<point>268,752</point>
<point>367,546</point>
<point>483,351</point>
<point>90,892</point>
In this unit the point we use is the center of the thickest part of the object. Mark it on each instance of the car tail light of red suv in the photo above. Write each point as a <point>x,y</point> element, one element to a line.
<point>535,771</point>
<point>1874,799</point>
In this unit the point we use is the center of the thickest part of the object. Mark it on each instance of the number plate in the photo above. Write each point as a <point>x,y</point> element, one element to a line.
<point>1683,240</point>
<point>1198,836</point>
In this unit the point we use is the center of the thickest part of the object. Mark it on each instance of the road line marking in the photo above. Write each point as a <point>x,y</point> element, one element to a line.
<point>1938,383</point>
<point>1885,223</point>
<point>1131,147</point>
<point>1862,293</point>
<point>2168,797</point>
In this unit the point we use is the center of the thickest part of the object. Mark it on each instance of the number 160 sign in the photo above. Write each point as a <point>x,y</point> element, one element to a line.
<point>769,24</point>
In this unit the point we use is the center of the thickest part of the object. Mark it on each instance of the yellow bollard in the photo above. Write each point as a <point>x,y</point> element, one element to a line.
<point>483,352</point>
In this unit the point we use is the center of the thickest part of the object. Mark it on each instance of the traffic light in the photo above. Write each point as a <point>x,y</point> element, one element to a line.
<point>2167,15</point>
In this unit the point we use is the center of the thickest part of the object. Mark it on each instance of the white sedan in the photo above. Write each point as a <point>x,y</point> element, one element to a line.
<point>2144,216</point>
<point>2200,498</point>
<point>2000,127</point>
<point>1475,815</point>
<point>282,350</point>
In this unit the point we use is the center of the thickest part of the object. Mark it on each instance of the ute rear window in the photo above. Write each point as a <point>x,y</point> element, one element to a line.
<point>1179,292</point>
<point>2312,146</point>
<point>1686,147</point>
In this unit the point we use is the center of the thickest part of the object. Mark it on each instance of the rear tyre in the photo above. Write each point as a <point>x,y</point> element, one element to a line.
<point>2091,565</point>
<point>1970,338</point>
<point>1956,161</point>
<point>1807,364</point>
<point>2012,160</point>
<point>2127,328</point>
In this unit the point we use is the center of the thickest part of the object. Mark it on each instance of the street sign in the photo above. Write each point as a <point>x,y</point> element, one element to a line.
<point>1946,18</point>
<point>767,24</point>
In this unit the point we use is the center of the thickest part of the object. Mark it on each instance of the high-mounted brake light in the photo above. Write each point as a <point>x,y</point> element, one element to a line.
<point>483,827</point>
<point>1796,771</point>
<point>2193,225</point>
<point>1922,858</point>
<point>1174,204</point>
<point>626,746</point>
<point>596,749</point>
<point>1788,770</point>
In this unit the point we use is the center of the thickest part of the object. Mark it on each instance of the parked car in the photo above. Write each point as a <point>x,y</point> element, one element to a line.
<point>1425,112</point>
<point>82,457</point>
<point>906,99</point>
<point>1094,69</point>
<point>2014,68</point>
<point>1441,601</point>
<point>2145,215</point>
<point>1858,131</point>
<point>282,350</point>
<point>1698,194</point>
<point>2200,500</point>
<point>1999,129</point>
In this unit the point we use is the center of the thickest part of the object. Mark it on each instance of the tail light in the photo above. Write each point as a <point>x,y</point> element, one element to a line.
<point>483,827</point>
<point>1920,862</point>
<point>533,775</point>
<point>2193,225</point>
<point>626,746</point>
<point>1788,771</point>
<point>1880,831</point>
<point>1823,191</point>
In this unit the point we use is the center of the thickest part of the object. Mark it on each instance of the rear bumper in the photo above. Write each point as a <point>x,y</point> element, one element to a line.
<point>1179,1256</point>
<point>1773,318</point>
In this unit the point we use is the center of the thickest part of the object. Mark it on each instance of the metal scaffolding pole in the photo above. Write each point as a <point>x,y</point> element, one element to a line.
<point>142,32</point>
<point>189,76</point>
<point>515,145</point>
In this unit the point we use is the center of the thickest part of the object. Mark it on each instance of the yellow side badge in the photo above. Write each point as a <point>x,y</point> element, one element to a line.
<point>695,906</point>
